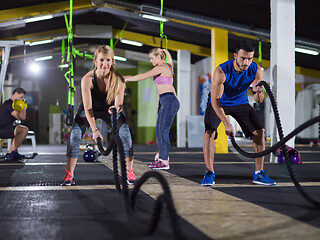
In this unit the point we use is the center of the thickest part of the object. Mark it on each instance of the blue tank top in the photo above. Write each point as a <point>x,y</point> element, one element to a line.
<point>236,84</point>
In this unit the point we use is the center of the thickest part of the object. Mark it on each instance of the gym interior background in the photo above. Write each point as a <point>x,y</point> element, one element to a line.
<point>188,28</point>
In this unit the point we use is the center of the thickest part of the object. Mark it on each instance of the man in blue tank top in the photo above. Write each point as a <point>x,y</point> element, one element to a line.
<point>230,83</point>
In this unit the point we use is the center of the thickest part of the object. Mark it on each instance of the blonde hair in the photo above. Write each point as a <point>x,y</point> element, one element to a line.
<point>164,54</point>
<point>115,76</point>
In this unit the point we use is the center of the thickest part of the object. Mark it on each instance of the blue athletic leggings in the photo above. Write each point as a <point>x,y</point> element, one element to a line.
<point>169,108</point>
<point>81,124</point>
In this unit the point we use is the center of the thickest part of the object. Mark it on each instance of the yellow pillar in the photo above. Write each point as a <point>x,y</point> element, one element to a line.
<point>219,54</point>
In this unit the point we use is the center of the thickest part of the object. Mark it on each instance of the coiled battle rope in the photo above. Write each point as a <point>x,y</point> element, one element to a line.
<point>281,143</point>
<point>116,146</point>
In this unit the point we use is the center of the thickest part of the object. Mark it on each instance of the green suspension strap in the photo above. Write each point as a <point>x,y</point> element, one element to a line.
<point>63,48</point>
<point>260,58</point>
<point>122,30</point>
<point>162,35</point>
<point>82,55</point>
<point>69,75</point>
<point>111,42</point>
<point>260,53</point>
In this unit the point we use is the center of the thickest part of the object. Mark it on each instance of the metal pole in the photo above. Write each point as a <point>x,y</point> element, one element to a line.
<point>5,59</point>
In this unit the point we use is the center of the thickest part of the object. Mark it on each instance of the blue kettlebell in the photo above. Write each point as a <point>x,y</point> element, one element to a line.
<point>89,155</point>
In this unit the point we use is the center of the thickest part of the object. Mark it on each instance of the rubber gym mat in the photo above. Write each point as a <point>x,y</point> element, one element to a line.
<point>82,214</point>
<point>52,175</point>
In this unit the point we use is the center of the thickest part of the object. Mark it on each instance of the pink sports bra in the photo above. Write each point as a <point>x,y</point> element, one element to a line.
<point>160,80</point>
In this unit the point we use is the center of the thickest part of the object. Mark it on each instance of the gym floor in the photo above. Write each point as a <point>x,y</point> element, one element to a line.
<point>35,206</point>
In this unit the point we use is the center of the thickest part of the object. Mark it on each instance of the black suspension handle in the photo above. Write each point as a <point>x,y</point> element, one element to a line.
<point>70,110</point>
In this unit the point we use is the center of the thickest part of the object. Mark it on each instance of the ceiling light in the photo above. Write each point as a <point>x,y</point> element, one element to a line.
<point>123,59</point>
<point>43,58</point>
<point>12,25</point>
<point>63,66</point>
<point>311,51</point>
<point>156,18</point>
<point>130,42</point>
<point>34,68</point>
<point>39,42</point>
<point>38,18</point>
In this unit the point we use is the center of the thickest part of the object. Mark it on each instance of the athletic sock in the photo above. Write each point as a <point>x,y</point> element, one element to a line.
<point>257,172</point>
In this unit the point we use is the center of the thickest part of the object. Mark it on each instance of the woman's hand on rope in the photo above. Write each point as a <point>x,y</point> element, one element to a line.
<point>229,129</point>
<point>96,134</point>
<point>118,108</point>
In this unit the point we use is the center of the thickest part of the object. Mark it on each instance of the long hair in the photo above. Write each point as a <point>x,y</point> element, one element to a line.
<point>115,76</point>
<point>164,54</point>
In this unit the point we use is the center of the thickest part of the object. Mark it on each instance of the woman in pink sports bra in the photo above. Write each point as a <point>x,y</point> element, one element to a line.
<point>162,74</point>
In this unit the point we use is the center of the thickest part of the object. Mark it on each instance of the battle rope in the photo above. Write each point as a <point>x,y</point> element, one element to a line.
<point>165,198</point>
<point>281,144</point>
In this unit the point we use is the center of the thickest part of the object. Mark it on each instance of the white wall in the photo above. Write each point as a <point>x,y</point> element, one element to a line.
<point>307,105</point>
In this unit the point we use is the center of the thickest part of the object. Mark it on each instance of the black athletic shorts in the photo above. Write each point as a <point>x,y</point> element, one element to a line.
<point>244,114</point>
<point>7,131</point>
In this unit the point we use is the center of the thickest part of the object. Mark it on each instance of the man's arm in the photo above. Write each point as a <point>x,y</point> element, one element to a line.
<point>258,92</point>
<point>217,89</point>
<point>21,115</point>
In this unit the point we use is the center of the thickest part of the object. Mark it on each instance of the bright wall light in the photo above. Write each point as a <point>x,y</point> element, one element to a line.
<point>39,42</point>
<point>156,18</point>
<point>131,42</point>
<point>35,68</point>
<point>307,51</point>
<point>38,18</point>
<point>123,59</point>
<point>43,58</point>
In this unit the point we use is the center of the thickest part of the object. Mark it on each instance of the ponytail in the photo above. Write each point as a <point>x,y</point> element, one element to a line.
<point>115,79</point>
<point>164,54</point>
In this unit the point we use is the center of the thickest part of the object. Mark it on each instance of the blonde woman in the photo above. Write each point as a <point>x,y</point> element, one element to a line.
<point>101,89</point>
<point>162,74</point>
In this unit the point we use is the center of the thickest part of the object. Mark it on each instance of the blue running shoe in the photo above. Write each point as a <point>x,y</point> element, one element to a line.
<point>18,155</point>
<point>208,179</point>
<point>263,179</point>
<point>10,156</point>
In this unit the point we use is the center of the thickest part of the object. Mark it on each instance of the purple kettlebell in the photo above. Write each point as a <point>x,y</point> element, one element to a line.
<point>281,159</point>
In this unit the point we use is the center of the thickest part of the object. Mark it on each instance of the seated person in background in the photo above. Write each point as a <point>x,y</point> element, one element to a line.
<point>7,117</point>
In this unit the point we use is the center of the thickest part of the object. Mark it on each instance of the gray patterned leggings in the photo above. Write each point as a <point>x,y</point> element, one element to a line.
<point>81,125</point>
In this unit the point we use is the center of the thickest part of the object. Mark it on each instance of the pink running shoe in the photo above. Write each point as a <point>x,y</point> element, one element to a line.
<point>150,165</point>
<point>156,162</point>
<point>68,179</point>
<point>131,178</point>
<point>160,165</point>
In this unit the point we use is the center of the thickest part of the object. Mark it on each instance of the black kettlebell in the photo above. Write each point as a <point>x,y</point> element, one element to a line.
<point>90,155</point>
